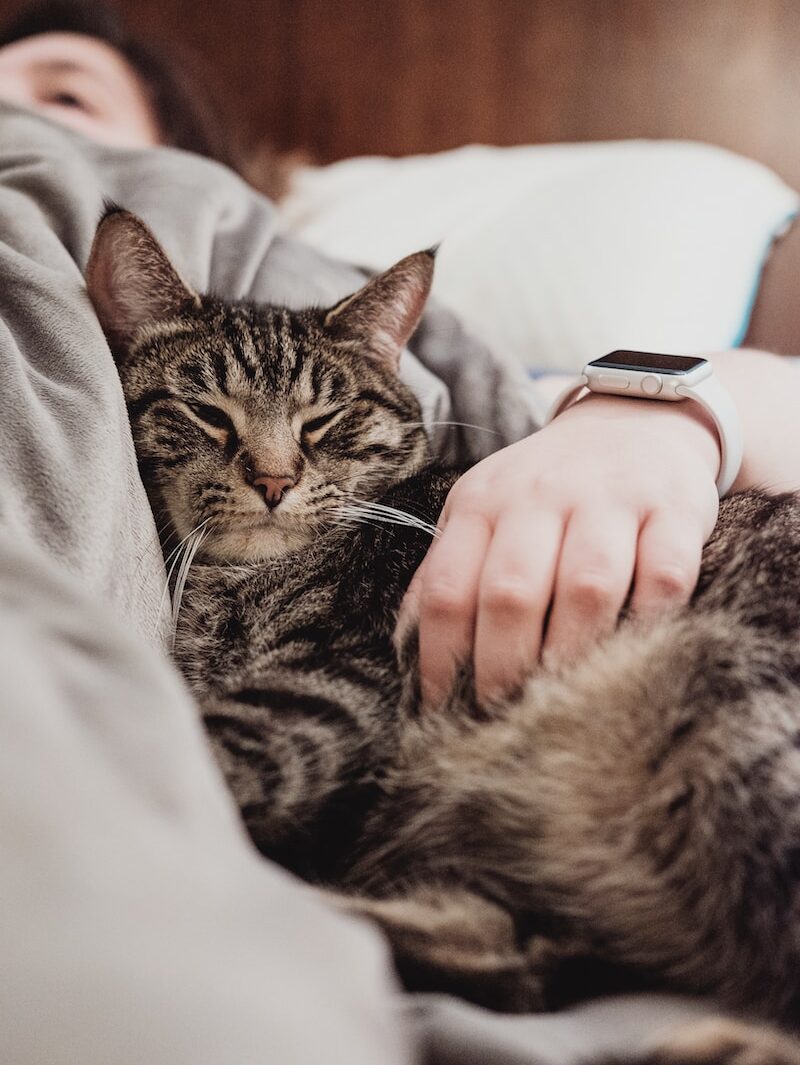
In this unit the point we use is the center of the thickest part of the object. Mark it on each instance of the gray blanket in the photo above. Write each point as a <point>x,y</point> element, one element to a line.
<point>136,923</point>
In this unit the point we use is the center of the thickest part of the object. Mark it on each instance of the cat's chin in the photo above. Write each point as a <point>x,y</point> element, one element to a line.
<point>255,545</point>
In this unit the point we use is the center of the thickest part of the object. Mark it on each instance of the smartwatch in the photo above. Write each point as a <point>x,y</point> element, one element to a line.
<point>645,375</point>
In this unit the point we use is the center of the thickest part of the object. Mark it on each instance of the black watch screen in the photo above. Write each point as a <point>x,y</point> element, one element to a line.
<point>647,360</point>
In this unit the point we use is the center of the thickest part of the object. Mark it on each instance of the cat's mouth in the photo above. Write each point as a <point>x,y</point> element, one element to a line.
<point>265,520</point>
<point>257,537</point>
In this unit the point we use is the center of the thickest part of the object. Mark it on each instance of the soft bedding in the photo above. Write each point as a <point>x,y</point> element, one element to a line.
<point>558,253</point>
<point>137,924</point>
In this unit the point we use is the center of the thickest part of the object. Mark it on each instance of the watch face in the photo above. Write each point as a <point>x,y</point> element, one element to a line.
<point>646,360</point>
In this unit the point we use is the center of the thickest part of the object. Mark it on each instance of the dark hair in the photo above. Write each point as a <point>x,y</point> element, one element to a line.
<point>186,116</point>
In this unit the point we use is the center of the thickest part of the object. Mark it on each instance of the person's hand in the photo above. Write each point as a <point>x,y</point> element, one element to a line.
<point>541,542</point>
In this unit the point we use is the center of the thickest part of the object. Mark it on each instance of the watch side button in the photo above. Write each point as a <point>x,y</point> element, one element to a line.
<point>651,386</point>
<point>617,384</point>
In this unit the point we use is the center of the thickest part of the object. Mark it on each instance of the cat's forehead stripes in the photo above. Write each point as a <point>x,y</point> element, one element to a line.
<point>295,361</point>
<point>300,340</point>
<point>196,374</point>
<point>241,351</point>
<point>266,348</point>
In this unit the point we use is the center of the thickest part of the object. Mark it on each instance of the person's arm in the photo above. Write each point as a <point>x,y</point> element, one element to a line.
<point>765,390</point>
<point>542,541</point>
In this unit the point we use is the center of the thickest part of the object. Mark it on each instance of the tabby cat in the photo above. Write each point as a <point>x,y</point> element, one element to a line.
<point>634,818</point>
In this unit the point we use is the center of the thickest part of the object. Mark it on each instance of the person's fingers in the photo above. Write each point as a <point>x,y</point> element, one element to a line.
<point>408,614</point>
<point>515,588</point>
<point>667,564</point>
<point>594,575</point>
<point>447,602</point>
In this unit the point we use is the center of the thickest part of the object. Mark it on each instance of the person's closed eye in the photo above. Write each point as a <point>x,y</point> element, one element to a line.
<point>66,99</point>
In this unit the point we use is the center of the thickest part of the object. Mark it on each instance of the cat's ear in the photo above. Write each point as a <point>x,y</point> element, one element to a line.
<point>130,280</point>
<point>382,315</point>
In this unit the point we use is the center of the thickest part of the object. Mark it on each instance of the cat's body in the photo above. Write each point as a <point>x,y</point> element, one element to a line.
<point>296,702</point>
<point>636,814</point>
<point>645,803</point>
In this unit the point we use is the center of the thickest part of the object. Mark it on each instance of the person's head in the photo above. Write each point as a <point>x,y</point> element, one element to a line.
<point>75,62</point>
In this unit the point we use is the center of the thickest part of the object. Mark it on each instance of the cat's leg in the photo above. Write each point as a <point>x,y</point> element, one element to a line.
<point>289,748</point>
<point>716,1041</point>
<point>269,769</point>
<point>451,940</point>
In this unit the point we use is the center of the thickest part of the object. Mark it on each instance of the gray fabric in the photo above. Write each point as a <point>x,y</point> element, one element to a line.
<point>453,1033</point>
<point>136,924</point>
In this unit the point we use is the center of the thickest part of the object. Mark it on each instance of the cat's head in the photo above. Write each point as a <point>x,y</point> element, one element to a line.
<point>256,423</point>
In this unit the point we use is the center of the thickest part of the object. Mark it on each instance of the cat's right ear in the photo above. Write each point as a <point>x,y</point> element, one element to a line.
<point>380,318</point>
<point>131,281</point>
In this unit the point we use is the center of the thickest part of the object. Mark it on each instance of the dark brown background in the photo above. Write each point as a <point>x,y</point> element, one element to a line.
<point>346,77</point>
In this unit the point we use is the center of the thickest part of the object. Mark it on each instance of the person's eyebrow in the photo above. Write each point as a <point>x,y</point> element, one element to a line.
<point>60,66</point>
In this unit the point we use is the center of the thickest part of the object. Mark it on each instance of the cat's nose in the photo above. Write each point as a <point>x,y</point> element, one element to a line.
<point>272,488</point>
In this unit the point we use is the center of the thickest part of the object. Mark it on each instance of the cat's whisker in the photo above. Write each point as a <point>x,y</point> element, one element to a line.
<point>397,514</point>
<point>350,523</point>
<point>161,530</point>
<point>176,549</point>
<point>367,512</point>
<point>171,561</point>
<point>384,508</point>
<point>463,425</point>
<point>410,507</point>
<point>180,583</point>
<point>155,551</point>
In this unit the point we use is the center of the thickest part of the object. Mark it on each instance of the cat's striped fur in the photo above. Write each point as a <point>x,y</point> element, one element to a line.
<point>635,818</point>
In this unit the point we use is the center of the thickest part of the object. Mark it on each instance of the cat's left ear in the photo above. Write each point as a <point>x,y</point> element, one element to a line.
<point>131,281</point>
<point>382,315</point>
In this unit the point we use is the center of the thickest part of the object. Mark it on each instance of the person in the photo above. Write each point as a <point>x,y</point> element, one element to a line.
<point>143,928</point>
<point>542,542</point>
<point>75,62</point>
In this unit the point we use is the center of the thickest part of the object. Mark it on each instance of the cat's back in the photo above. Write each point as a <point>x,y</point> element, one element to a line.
<point>751,563</point>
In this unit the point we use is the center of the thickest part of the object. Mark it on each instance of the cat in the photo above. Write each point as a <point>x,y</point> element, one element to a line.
<point>631,820</point>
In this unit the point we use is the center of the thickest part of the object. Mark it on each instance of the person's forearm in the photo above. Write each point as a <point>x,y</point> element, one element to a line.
<point>766,391</point>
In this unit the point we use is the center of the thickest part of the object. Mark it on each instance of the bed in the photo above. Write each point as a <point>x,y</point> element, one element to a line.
<point>137,925</point>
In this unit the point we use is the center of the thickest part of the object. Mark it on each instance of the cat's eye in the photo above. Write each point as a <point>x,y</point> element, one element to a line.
<point>314,425</point>
<point>212,416</point>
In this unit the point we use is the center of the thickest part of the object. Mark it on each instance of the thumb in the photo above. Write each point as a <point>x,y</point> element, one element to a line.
<point>408,615</point>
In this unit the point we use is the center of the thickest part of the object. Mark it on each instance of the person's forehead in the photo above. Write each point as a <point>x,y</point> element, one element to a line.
<point>62,52</point>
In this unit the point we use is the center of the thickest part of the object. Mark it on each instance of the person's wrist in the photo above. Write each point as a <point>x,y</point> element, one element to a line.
<point>685,422</point>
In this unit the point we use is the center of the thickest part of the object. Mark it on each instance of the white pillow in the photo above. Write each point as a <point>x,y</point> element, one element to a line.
<point>560,253</point>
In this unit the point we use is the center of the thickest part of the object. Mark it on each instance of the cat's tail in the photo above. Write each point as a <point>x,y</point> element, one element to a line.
<point>648,799</point>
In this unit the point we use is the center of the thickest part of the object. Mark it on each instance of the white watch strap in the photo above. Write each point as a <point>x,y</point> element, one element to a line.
<point>565,397</point>
<point>712,397</point>
<point>717,401</point>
